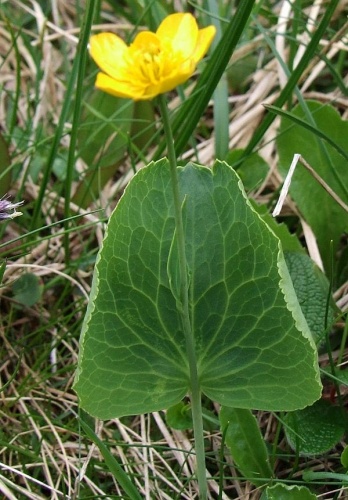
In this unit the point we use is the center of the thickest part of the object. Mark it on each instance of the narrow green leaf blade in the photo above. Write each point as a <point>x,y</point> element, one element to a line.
<point>253,346</point>
<point>2,270</point>
<point>292,117</point>
<point>114,467</point>
<point>247,446</point>
<point>5,171</point>
<point>295,75</point>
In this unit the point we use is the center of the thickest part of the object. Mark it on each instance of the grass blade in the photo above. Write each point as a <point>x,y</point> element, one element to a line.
<point>294,77</point>
<point>82,59</point>
<point>308,126</point>
<point>114,467</point>
<point>221,106</point>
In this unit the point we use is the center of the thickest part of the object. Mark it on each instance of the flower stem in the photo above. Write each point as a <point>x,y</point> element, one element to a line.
<point>195,391</point>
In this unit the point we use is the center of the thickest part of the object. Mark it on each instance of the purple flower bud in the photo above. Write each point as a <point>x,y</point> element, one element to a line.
<point>6,206</point>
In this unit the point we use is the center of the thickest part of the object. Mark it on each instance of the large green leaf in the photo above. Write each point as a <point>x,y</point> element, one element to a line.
<point>327,219</point>
<point>253,346</point>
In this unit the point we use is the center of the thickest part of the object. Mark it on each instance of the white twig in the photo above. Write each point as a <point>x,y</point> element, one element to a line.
<point>286,185</point>
<point>283,193</point>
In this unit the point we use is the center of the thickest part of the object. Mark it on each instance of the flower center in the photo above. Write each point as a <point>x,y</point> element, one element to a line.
<point>150,63</point>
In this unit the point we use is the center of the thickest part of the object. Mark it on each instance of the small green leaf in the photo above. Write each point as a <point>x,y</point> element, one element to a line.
<point>179,416</point>
<point>27,290</point>
<point>284,492</point>
<point>246,443</point>
<point>315,429</point>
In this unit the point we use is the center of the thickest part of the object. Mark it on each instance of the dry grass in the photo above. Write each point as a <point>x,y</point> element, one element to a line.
<point>42,453</point>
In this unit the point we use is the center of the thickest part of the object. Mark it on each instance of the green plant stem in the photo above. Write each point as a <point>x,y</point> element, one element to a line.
<point>185,313</point>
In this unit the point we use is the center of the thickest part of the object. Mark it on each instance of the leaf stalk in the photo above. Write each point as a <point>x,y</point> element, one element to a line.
<point>195,391</point>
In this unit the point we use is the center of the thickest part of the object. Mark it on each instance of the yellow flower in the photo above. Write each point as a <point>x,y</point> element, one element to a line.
<point>155,62</point>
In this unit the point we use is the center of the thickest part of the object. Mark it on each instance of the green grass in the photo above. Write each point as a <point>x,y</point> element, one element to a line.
<point>69,152</point>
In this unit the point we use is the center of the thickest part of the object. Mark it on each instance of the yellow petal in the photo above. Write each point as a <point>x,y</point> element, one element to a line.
<point>205,37</point>
<point>146,40</point>
<point>173,81</point>
<point>181,32</point>
<point>108,52</point>
<point>118,88</point>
